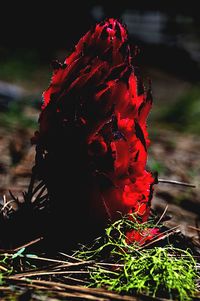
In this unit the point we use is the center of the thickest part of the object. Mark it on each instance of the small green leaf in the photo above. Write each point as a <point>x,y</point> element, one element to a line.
<point>18,253</point>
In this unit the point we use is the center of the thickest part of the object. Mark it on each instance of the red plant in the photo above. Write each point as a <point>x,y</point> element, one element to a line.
<point>142,236</point>
<point>92,138</point>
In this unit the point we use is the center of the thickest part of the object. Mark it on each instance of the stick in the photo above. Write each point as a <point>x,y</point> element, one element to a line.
<point>74,288</point>
<point>176,183</point>
<point>10,251</point>
<point>161,217</point>
<point>28,244</point>
<point>194,228</point>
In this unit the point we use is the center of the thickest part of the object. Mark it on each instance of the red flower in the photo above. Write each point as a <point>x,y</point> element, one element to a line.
<point>93,125</point>
<point>141,236</point>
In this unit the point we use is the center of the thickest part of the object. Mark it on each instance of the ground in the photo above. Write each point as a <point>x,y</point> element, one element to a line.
<point>173,154</point>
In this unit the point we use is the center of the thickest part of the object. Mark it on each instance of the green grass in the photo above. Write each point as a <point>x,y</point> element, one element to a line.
<point>184,114</point>
<point>15,117</point>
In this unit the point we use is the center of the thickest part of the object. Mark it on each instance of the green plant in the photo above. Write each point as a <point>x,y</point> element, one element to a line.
<point>5,267</point>
<point>158,272</point>
<point>131,268</point>
<point>115,241</point>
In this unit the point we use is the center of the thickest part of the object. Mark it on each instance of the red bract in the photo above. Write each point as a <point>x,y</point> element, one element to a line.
<point>93,129</point>
<point>141,236</point>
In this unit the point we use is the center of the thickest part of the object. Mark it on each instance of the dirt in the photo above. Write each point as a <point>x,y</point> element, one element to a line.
<point>179,156</point>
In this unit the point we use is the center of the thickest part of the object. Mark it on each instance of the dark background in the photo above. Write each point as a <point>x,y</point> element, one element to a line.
<point>167,31</point>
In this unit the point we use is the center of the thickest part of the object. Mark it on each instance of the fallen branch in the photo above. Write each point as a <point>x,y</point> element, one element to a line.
<point>57,286</point>
<point>174,182</point>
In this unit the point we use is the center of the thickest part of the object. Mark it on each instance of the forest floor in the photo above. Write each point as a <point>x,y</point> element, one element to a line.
<point>173,154</point>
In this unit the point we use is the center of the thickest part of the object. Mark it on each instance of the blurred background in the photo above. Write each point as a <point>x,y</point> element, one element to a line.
<point>168,36</point>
